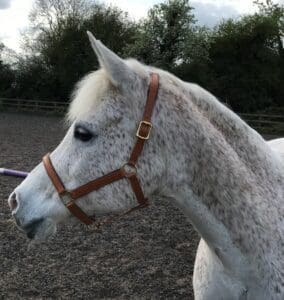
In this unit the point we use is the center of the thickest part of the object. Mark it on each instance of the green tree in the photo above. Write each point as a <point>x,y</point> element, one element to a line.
<point>61,46</point>
<point>241,61</point>
<point>245,62</point>
<point>6,75</point>
<point>194,66</point>
<point>275,12</point>
<point>161,38</point>
<point>34,80</point>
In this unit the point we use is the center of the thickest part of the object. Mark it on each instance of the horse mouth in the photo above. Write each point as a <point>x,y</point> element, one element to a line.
<point>32,228</point>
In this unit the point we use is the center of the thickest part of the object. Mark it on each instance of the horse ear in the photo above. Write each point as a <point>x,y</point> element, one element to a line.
<point>118,71</point>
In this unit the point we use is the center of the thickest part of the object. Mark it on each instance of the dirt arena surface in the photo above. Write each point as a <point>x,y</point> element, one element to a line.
<point>148,255</point>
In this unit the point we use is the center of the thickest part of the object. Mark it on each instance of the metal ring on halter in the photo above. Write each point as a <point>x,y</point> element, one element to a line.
<point>66,197</point>
<point>129,170</point>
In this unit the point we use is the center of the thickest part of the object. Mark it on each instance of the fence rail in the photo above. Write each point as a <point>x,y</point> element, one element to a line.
<point>264,123</point>
<point>8,104</point>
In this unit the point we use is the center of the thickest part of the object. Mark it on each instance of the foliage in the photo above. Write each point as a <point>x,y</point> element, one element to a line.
<point>6,76</point>
<point>275,12</point>
<point>245,63</point>
<point>61,47</point>
<point>240,60</point>
<point>161,38</point>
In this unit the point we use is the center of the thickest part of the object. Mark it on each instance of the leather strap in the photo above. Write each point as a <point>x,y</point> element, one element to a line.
<point>145,126</point>
<point>53,175</point>
<point>97,184</point>
<point>79,214</point>
<point>127,171</point>
<point>136,187</point>
<point>62,192</point>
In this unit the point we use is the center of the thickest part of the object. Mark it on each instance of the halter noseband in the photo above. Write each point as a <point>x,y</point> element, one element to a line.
<point>127,171</point>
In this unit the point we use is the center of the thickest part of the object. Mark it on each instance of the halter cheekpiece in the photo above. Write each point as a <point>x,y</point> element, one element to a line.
<point>127,171</point>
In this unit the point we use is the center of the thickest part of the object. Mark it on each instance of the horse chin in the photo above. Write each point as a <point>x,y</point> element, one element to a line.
<point>43,231</point>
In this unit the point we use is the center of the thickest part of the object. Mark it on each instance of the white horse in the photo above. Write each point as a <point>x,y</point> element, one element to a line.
<point>217,169</point>
<point>278,146</point>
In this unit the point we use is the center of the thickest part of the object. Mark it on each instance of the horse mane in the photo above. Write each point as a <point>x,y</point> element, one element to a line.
<point>89,91</point>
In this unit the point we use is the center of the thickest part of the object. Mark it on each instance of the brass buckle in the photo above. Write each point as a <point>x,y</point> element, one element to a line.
<point>66,197</point>
<point>149,125</point>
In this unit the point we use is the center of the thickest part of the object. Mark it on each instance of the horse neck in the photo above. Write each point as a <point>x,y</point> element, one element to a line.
<point>217,162</point>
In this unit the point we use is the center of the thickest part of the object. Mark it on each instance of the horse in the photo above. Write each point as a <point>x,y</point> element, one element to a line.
<point>222,174</point>
<point>278,146</point>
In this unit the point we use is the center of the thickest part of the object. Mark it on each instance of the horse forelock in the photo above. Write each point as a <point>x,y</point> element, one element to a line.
<point>89,91</point>
<point>88,94</point>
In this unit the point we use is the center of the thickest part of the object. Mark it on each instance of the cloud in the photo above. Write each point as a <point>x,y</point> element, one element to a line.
<point>136,8</point>
<point>210,14</point>
<point>4,4</point>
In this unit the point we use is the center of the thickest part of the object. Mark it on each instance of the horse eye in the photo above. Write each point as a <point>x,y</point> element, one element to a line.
<point>82,134</point>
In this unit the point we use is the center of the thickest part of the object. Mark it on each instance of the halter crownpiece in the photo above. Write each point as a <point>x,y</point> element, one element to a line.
<point>127,171</point>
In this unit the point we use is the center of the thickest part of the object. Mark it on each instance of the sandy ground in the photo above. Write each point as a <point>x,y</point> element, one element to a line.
<point>148,255</point>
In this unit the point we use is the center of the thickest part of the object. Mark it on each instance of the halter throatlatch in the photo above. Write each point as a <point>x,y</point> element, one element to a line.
<point>127,171</point>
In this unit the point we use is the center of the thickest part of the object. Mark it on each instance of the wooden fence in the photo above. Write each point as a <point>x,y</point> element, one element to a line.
<point>7,104</point>
<point>264,123</point>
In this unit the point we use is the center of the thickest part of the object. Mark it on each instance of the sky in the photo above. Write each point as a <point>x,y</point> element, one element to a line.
<point>14,14</point>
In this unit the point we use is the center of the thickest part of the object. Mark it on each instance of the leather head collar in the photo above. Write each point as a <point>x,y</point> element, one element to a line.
<point>127,171</point>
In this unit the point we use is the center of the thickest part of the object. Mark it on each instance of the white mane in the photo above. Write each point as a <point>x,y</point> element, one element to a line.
<point>88,94</point>
<point>90,90</point>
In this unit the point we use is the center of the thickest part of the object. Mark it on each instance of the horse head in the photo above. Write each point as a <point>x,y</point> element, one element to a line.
<point>104,114</point>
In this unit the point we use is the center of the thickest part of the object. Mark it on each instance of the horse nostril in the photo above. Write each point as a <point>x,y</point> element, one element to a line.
<point>13,202</point>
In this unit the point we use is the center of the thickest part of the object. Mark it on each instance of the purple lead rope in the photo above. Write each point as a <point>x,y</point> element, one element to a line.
<point>15,173</point>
